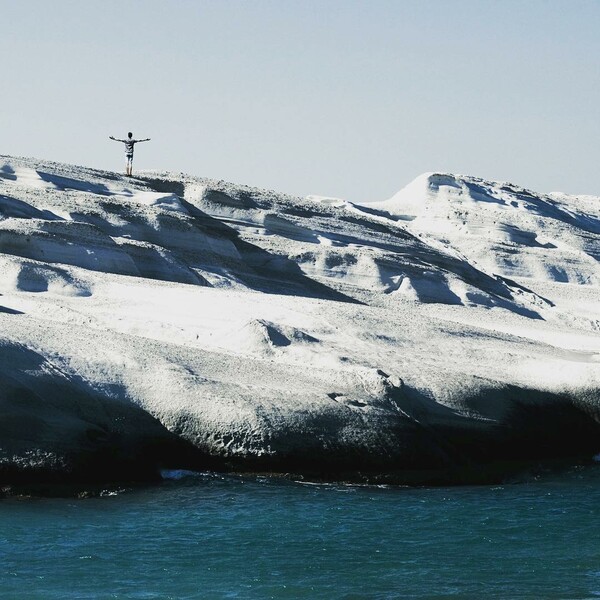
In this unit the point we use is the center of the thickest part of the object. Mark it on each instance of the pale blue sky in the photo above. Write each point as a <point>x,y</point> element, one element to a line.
<point>343,98</point>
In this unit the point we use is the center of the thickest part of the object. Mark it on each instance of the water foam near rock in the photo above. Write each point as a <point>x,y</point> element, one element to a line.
<point>170,322</point>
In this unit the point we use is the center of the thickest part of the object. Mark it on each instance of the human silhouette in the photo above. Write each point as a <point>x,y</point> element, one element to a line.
<point>129,144</point>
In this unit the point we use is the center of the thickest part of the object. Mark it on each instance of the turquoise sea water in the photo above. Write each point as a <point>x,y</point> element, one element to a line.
<point>209,536</point>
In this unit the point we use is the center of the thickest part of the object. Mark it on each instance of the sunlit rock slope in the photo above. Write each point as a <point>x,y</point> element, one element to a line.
<point>167,320</point>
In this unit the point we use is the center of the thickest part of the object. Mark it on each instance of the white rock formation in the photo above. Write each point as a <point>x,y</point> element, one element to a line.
<point>175,321</point>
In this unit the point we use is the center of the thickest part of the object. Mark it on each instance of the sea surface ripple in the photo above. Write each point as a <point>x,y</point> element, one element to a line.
<point>210,536</point>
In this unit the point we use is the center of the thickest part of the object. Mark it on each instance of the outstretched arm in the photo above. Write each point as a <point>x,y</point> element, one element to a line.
<point>110,137</point>
<point>146,140</point>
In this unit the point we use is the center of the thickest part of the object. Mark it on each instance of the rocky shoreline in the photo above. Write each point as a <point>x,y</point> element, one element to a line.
<point>449,335</point>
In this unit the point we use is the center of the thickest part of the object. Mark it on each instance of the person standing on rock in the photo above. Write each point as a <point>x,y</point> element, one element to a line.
<point>129,144</point>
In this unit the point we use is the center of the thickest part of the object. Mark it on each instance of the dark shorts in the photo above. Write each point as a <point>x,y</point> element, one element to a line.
<point>129,157</point>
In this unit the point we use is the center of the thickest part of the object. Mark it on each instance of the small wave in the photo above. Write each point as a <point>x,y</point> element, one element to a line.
<point>346,487</point>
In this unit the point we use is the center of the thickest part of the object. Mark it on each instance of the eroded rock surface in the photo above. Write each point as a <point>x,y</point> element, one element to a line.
<point>169,321</point>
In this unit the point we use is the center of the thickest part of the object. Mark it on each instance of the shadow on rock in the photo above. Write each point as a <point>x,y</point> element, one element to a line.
<point>264,271</point>
<point>56,429</point>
